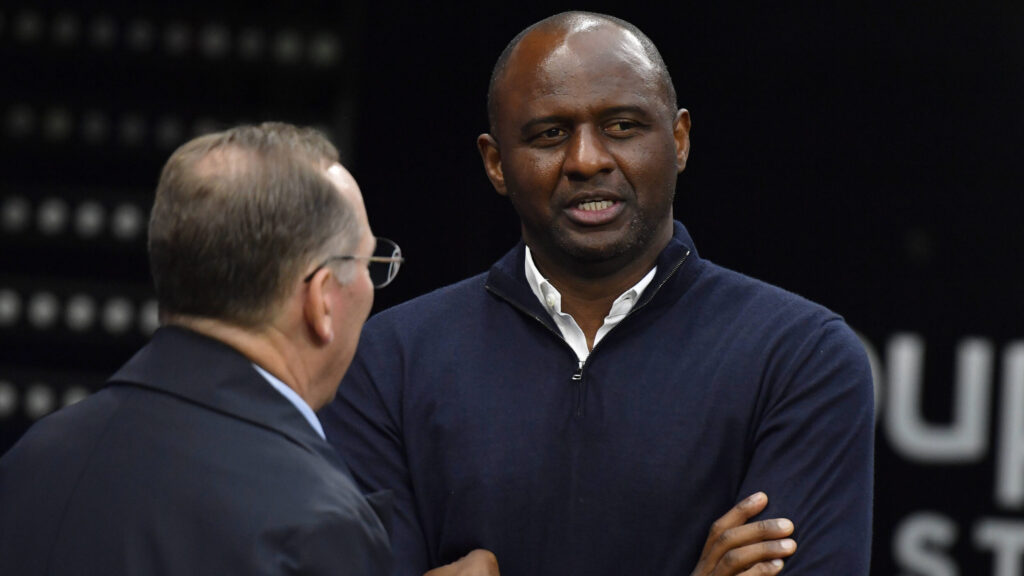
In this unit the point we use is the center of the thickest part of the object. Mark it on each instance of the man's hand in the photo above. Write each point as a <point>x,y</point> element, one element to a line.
<point>737,549</point>
<point>479,562</point>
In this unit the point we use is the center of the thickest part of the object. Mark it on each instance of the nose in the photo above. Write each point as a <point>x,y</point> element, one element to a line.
<point>587,155</point>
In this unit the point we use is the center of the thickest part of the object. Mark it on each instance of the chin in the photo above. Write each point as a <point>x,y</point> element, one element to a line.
<point>596,245</point>
<point>590,255</point>
<point>593,249</point>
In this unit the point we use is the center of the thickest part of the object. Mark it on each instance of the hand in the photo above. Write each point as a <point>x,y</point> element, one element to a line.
<point>479,562</point>
<point>754,549</point>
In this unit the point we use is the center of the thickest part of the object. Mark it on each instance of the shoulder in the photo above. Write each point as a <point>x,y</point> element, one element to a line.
<point>418,337</point>
<point>734,296</point>
<point>703,286</point>
<point>59,437</point>
<point>439,306</point>
<point>768,322</point>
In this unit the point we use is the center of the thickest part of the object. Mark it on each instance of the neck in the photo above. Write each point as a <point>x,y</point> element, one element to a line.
<point>589,289</point>
<point>266,346</point>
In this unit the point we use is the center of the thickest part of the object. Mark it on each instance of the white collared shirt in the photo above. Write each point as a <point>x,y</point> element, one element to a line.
<point>295,399</point>
<point>551,299</point>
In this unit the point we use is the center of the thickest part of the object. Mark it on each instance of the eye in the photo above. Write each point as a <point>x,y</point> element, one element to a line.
<point>622,128</point>
<point>548,136</point>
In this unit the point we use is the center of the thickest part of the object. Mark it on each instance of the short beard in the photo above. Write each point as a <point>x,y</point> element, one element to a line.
<point>638,237</point>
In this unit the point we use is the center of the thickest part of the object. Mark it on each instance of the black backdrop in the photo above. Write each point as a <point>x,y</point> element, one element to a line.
<point>864,154</point>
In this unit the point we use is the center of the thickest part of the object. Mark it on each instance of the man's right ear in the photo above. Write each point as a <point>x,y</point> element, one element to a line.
<point>317,308</point>
<point>491,155</point>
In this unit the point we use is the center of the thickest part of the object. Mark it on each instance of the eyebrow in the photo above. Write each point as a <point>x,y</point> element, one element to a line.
<point>627,109</point>
<point>640,111</point>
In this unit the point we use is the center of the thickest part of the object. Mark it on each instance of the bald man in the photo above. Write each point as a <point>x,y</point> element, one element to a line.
<point>598,398</point>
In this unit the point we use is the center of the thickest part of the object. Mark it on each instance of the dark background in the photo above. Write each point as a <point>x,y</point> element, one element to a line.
<point>867,155</point>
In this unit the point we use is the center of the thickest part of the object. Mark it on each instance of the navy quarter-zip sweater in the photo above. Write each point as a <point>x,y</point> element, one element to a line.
<point>469,405</point>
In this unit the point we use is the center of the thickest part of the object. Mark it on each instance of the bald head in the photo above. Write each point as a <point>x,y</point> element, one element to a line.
<point>566,24</point>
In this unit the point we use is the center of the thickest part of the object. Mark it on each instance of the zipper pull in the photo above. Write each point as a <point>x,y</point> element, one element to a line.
<point>577,379</point>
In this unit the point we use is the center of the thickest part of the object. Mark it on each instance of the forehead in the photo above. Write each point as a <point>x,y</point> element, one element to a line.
<point>589,64</point>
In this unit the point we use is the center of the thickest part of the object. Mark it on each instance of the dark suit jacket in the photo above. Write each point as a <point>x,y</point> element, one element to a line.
<point>188,463</point>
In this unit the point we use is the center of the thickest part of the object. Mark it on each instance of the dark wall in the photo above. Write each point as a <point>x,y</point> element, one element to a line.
<point>864,154</point>
<point>876,143</point>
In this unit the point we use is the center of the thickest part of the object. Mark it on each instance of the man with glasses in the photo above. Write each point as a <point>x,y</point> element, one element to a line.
<point>203,454</point>
<point>595,401</point>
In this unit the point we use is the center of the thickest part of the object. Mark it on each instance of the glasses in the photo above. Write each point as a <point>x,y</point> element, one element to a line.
<point>383,265</point>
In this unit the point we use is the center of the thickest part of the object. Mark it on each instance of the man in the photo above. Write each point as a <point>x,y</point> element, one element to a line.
<point>203,454</point>
<point>593,402</point>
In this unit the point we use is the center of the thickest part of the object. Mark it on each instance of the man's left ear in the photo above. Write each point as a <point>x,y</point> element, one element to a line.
<point>681,134</point>
<point>317,309</point>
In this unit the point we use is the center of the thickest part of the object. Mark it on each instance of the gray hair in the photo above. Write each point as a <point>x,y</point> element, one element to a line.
<point>239,216</point>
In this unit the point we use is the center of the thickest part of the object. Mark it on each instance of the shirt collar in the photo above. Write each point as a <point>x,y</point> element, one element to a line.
<point>551,299</point>
<point>294,398</point>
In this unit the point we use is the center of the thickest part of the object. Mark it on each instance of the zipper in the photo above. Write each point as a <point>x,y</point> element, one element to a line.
<point>577,375</point>
<point>577,380</point>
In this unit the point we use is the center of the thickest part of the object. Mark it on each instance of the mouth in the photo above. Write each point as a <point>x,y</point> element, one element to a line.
<point>595,205</point>
<point>594,211</point>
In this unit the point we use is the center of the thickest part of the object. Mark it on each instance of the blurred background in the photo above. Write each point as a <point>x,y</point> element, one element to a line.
<point>868,155</point>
